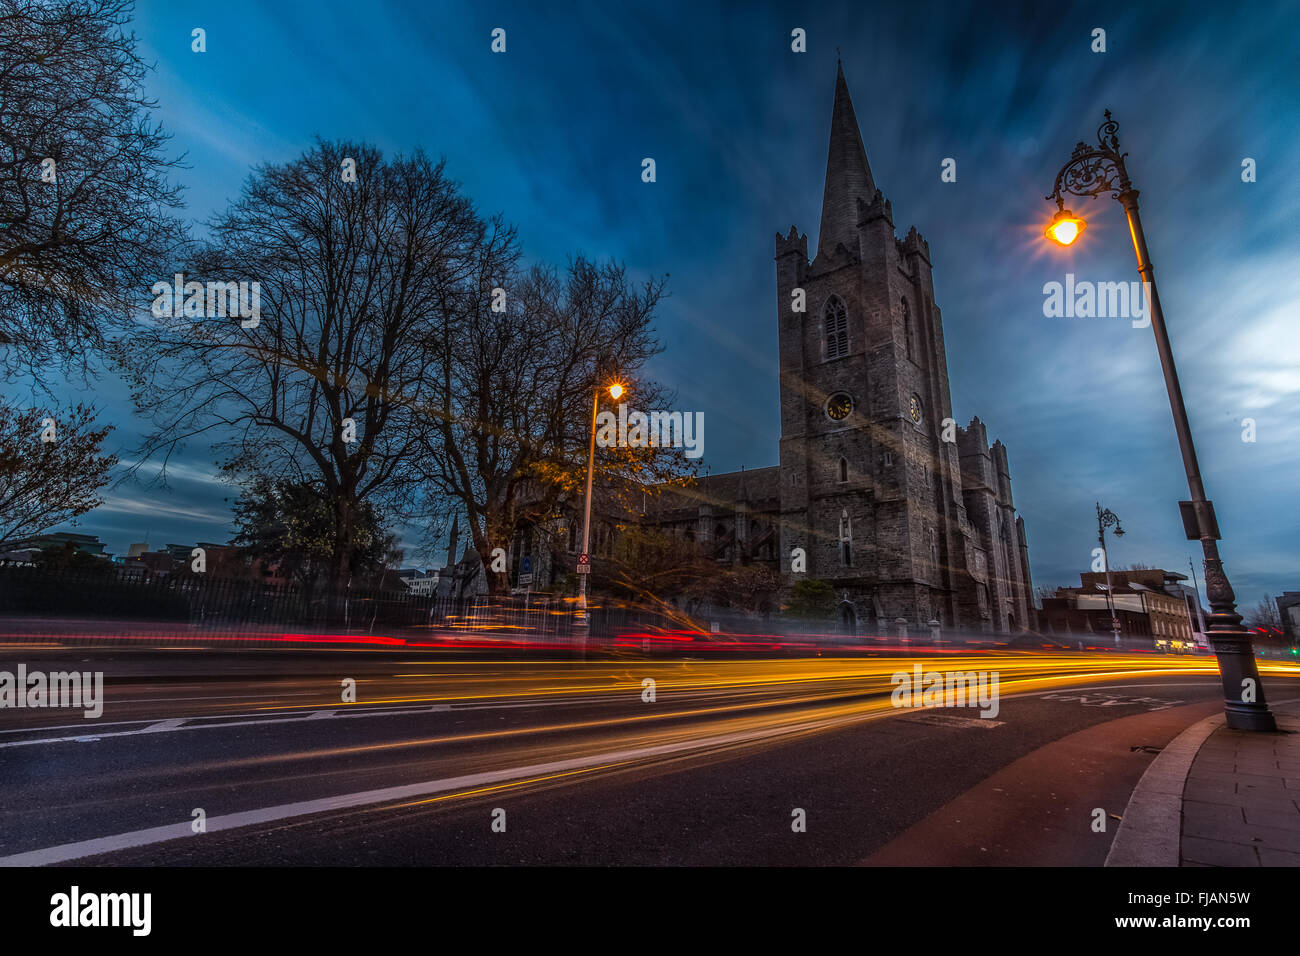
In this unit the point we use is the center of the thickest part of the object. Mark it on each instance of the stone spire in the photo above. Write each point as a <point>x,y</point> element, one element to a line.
<point>848,177</point>
<point>455,536</point>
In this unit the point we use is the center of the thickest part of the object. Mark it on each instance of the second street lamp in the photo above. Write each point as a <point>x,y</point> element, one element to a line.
<point>581,619</point>
<point>1106,518</point>
<point>1091,171</point>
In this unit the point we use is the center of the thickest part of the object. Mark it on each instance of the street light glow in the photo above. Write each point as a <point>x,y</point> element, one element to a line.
<point>616,391</point>
<point>1065,227</point>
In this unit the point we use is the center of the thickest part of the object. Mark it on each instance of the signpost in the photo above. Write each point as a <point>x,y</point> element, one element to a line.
<point>584,564</point>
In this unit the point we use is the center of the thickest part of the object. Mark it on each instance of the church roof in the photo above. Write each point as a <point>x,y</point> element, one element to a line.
<point>848,176</point>
<point>757,486</point>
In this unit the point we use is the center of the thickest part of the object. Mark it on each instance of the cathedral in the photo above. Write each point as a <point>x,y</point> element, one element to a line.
<point>878,491</point>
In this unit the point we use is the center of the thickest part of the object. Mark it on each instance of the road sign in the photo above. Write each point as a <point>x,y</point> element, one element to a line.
<point>526,565</point>
<point>525,579</point>
<point>584,564</point>
<point>1114,624</point>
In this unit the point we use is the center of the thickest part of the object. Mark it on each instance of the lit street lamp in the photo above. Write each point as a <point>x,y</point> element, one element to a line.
<point>1091,171</point>
<point>584,560</point>
<point>1106,519</point>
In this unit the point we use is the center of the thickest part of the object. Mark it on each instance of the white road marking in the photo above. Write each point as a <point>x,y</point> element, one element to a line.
<point>182,723</point>
<point>289,717</point>
<point>951,720</point>
<point>163,726</point>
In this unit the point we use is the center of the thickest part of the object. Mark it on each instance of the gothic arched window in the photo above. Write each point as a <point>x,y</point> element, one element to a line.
<point>846,539</point>
<point>844,469</point>
<point>835,318</point>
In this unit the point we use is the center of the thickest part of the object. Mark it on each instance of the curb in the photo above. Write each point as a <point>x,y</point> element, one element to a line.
<point>1151,830</point>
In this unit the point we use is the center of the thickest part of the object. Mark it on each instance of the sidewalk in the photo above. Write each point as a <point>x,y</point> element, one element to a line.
<point>1038,810</point>
<point>1218,797</point>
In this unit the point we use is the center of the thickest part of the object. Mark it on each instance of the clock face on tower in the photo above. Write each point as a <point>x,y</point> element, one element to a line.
<point>914,409</point>
<point>838,407</point>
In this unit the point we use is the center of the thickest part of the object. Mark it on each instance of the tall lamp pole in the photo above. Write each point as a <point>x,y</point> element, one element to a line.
<point>1090,172</point>
<point>1105,519</point>
<point>581,619</point>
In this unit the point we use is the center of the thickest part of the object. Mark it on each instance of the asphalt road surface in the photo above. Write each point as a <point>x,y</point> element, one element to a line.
<point>259,757</point>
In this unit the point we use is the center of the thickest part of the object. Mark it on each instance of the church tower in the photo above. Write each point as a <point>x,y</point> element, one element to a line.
<point>870,472</point>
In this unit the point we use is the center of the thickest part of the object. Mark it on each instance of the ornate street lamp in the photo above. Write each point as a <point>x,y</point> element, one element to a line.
<point>1091,171</point>
<point>1106,519</point>
<point>580,619</point>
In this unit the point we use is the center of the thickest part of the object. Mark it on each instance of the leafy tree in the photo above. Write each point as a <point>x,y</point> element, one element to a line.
<point>291,525</point>
<point>653,567</point>
<point>86,219</point>
<point>44,484</point>
<point>749,587</point>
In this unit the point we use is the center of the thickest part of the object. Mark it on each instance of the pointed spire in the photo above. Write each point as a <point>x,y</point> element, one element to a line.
<point>455,536</point>
<point>848,177</point>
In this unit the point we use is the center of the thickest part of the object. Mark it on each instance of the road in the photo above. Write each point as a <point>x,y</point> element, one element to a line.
<point>443,762</point>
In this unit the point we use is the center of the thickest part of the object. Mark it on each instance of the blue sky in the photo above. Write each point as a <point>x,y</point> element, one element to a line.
<point>552,134</point>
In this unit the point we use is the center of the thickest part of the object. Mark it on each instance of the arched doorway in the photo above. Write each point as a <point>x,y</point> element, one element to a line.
<point>848,618</point>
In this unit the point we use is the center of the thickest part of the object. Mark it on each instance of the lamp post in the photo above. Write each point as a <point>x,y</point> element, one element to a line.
<point>1105,519</point>
<point>581,619</point>
<point>1090,172</point>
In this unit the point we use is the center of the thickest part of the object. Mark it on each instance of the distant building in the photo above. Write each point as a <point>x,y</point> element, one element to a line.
<point>463,577</point>
<point>1150,604</point>
<point>1288,609</point>
<point>219,561</point>
<point>26,551</point>
<point>423,583</point>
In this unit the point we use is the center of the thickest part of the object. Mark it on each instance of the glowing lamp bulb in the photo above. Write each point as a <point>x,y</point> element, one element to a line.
<point>1065,227</point>
<point>616,391</point>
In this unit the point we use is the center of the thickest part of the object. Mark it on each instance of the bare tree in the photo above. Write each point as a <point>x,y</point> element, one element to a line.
<point>1265,615</point>
<point>513,412</point>
<point>51,469</point>
<point>328,387</point>
<point>85,205</point>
